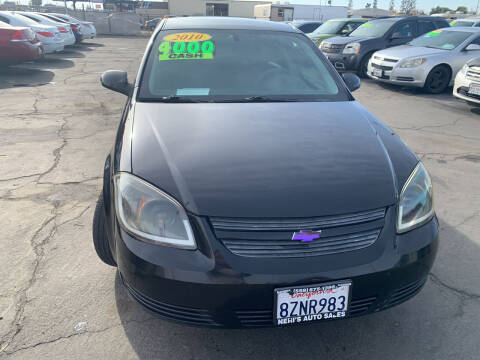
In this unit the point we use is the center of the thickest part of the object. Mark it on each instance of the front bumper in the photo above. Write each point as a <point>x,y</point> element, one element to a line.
<point>213,287</point>
<point>393,74</point>
<point>344,62</point>
<point>461,87</point>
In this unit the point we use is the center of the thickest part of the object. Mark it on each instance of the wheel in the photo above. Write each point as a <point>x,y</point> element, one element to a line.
<point>437,80</point>
<point>363,68</point>
<point>100,236</point>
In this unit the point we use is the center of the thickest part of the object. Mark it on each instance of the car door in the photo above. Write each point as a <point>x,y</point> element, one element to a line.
<point>402,33</point>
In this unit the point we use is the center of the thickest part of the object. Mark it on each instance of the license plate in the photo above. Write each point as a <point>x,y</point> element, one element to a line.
<point>312,303</point>
<point>474,89</point>
<point>377,72</point>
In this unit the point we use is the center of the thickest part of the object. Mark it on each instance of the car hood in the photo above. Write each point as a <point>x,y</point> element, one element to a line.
<point>348,39</point>
<point>265,159</point>
<point>403,51</point>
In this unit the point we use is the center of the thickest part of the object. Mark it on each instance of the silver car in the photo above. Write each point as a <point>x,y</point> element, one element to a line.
<point>430,61</point>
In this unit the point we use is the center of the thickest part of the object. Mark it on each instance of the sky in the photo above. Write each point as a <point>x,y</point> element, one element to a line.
<point>425,5</point>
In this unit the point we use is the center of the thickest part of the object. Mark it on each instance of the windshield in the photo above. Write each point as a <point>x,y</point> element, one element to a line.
<point>441,39</point>
<point>330,27</point>
<point>25,19</point>
<point>457,23</point>
<point>375,28</point>
<point>244,65</point>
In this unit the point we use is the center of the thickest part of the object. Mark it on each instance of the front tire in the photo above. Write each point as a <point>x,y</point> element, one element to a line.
<point>438,79</point>
<point>100,236</point>
<point>363,68</point>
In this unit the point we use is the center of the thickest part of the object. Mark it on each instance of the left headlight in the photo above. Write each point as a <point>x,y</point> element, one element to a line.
<point>464,69</point>
<point>151,215</point>
<point>415,205</point>
<point>412,63</point>
<point>352,48</point>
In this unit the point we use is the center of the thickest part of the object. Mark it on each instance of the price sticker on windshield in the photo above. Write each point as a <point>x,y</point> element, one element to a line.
<point>433,33</point>
<point>190,46</point>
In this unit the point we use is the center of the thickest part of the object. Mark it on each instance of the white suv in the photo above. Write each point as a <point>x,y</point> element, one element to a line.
<point>467,82</point>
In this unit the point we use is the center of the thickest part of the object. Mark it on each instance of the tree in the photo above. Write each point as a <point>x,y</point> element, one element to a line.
<point>368,6</point>
<point>374,4</point>
<point>350,4</point>
<point>462,9</point>
<point>407,7</point>
<point>392,6</point>
<point>439,10</point>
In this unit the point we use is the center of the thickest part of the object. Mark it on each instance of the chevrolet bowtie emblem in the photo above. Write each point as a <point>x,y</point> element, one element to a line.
<point>306,235</point>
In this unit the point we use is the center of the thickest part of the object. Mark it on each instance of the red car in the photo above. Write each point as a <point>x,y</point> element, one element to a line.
<point>18,44</point>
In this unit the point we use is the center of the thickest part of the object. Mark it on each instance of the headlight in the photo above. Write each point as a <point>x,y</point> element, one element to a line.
<point>415,206</point>
<point>411,63</point>
<point>352,48</point>
<point>151,215</point>
<point>464,69</point>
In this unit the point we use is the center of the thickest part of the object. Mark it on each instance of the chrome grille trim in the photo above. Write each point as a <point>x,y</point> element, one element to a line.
<point>289,248</point>
<point>248,224</point>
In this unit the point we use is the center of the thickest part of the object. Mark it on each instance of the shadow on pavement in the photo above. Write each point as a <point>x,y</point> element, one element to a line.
<point>51,62</point>
<point>415,329</point>
<point>18,76</point>
<point>68,53</point>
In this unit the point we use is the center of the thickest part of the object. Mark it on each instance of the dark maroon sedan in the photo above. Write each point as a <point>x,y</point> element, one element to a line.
<point>18,44</point>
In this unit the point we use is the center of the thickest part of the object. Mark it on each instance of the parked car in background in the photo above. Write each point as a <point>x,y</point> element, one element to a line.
<point>50,36</point>
<point>75,26</point>
<point>352,52</point>
<point>267,217</point>
<point>150,25</point>
<point>306,26</point>
<point>430,61</point>
<point>465,22</point>
<point>18,44</point>
<point>467,82</point>
<point>64,28</point>
<point>87,28</point>
<point>335,27</point>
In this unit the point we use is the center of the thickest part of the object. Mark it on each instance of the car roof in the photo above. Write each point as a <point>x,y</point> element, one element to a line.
<point>399,18</point>
<point>462,28</point>
<point>218,22</point>
<point>349,19</point>
<point>306,22</point>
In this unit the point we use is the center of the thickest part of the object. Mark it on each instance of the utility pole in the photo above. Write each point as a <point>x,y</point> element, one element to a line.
<point>65,3</point>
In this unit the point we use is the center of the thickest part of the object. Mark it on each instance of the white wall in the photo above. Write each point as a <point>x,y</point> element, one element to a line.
<point>198,7</point>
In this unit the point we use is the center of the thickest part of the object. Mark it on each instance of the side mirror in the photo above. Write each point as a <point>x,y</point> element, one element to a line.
<point>344,32</point>
<point>472,47</point>
<point>352,81</point>
<point>396,36</point>
<point>117,81</point>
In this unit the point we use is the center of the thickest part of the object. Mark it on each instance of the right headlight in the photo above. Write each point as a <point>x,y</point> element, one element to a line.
<point>415,206</point>
<point>464,69</point>
<point>150,215</point>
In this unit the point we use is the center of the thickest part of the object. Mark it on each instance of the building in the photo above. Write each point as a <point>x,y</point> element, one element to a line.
<point>237,8</point>
<point>289,12</point>
<point>369,13</point>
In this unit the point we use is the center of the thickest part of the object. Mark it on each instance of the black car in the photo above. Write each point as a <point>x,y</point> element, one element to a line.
<point>247,187</point>
<point>306,26</point>
<point>150,24</point>
<point>352,52</point>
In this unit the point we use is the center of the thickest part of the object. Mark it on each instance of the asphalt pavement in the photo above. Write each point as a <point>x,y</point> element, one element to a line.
<point>58,301</point>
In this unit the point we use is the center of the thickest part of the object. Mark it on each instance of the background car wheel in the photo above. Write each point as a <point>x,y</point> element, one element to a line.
<point>99,232</point>
<point>438,79</point>
<point>363,69</point>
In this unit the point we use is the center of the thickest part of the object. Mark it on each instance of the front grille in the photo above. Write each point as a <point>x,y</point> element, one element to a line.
<point>383,67</point>
<point>179,313</point>
<point>385,59</point>
<point>271,238</point>
<point>404,293</point>
<point>473,73</point>
<point>463,90</point>
<point>332,48</point>
<point>404,78</point>
<point>262,318</point>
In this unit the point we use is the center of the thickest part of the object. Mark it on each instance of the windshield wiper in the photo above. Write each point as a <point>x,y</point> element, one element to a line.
<point>257,99</point>
<point>177,99</point>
